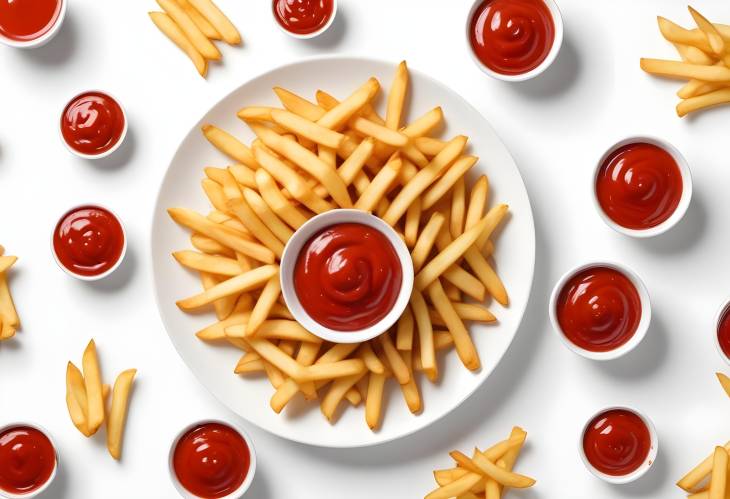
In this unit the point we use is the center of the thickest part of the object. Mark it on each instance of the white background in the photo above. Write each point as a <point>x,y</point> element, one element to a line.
<point>555,126</point>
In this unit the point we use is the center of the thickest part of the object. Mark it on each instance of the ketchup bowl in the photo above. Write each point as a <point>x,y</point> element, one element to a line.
<point>212,459</point>
<point>30,460</point>
<point>600,310</point>
<point>514,40</point>
<point>348,295</point>
<point>89,242</point>
<point>30,23</point>
<point>618,444</point>
<point>642,186</point>
<point>93,125</point>
<point>304,19</point>
<point>722,331</point>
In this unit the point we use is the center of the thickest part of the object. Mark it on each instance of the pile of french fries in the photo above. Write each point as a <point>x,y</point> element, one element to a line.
<point>309,158</point>
<point>193,25</point>
<point>9,320</point>
<point>86,397</point>
<point>705,54</point>
<point>486,474</point>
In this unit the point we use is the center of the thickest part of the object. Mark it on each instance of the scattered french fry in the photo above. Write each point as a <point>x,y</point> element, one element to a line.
<point>118,412</point>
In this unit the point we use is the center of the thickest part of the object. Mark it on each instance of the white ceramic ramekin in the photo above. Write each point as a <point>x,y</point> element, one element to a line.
<point>44,38</point>
<point>683,201</point>
<point>638,472</point>
<point>306,36</point>
<point>42,488</point>
<point>113,148</point>
<point>552,55</point>
<point>644,321</point>
<point>251,468</point>
<point>112,268</point>
<point>289,260</point>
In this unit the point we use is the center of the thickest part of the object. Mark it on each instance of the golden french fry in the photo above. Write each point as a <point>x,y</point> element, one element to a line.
<point>724,382</point>
<point>694,88</point>
<point>92,385</point>
<point>342,112</point>
<point>172,31</point>
<point>118,412</point>
<point>263,306</point>
<point>395,361</point>
<point>253,223</point>
<point>230,187</point>
<point>222,306</point>
<point>190,29</point>
<point>336,393</point>
<point>413,219</point>
<point>424,124</point>
<point>213,264</point>
<point>455,172</point>
<point>8,312</point>
<point>426,240</point>
<point>425,334</point>
<point>718,477</point>
<point>677,34</point>
<point>697,474</point>
<point>214,192</point>
<point>298,105</point>
<point>404,331</point>
<point>372,362</point>
<point>217,331</point>
<point>464,345</point>
<point>423,179</point>
<point>456,488</point>
<point>693,55</point>
<point>277,357</point>
<point>307,128</point>
<point>219,21</point>
<point>411,394</point>
<point>229,145</point>
<point>255,366</point>
<point>276,200</point>
<point>380,133</point>
<point>76,398</point>
<point>224,235</point>
<point>210,246</point>
<point>247,281</point>
<point>275,329</point>
<point>243,175</point>
<point>267,216</point>
<point>458,207</point>
<point>683,70</point>
<point>713,37</point>
<point>331,370</point>
<point>380,184</point>
<point>208,30</point>
<point>504,477</point>
<point>712,99</point>
<point>397,97</point>
<point>6,262</point>
<point>374,400</point>
<point>429,145</point>
<point>477,202</point>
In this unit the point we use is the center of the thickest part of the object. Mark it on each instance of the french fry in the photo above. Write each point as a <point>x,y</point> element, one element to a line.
<point>118,412</point>
<point>331,370</point>
<point>686,71</point>
<point>713,37</point>
<point>210,246</point>
<point>425,334</point>
<point>371,360</point>
<point>380,133</point>
<point>223,306</point>
<point>426,240</point>
<point>298,105</point>
<point>464,345</point>
<point>458,207</point>
<point>413,219</point>
<point>397,97</point>
<point>275,329</point>
<point>455,172</point>
<point>276,200</point>
<point>395,361</point>
<point>6,262</point>
<point>231,190</point>
<point>229,145</point>
<point>504,477</point>
<point>718,477</point>
<point>93,388</point>
<point>404,331</point>
<point>213,264</point>
<point>693,478</point>
<point>456,488</point>
<point>380,184</point>
<point>219,21</point>
<point>76,398</point>
<point>253,223</point>
<point>693,55</point>
<point>172,31</point>
<point>308,129</point>
<point>342,112</point>
<point>694,88</point>
<point>336,393</point>
<point>7,307</point>
<point>724,382</point>
<point>711,99</point>
<point>676,34</point>
<point>247,281</point>
<point>208,30</point>
<point>263,306</point>
<point>477,202</point>
<point>190,29</point>
<point>374,400</point>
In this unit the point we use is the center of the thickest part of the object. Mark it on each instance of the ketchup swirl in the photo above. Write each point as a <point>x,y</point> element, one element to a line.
<point>617,442</point>
<point>639,186</point>
<point>92,123</point>
<point>303,16</point>
<point>512,36</point>
<point>27,459</point>
<point>599,309</point>
<point>348,276</point>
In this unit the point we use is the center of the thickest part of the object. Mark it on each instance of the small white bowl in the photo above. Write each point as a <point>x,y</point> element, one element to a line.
<point>641,329</point>
<point>552,55</point>
<point>684,200</point>
<point>113,148</point>
<point>638,472</point>
<point>289,260</point>
<point>718,317</point>
<point>44,38</point>
<point>240,491</point>
<point>112,268</point>
<point>42,488</point>
<point>306,36</point>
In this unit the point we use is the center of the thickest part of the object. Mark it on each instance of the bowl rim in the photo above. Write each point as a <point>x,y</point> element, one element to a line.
<point>106,273</point>
<point>240,491</point>
<point>288,262</point>
<point>684,200</point>
<point>641,329</point>
<point>638,472</point>
<point>313,34</point>
<point>44,38</point>
<point>9,495</point>
<point>546,63</point>
<point>724,307</point>
<point>119,141</point>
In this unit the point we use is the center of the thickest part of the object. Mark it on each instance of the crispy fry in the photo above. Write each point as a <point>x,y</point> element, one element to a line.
<point>276,200</point>
<point>190,29</point>
<point>214,264</point>
<point>455,172</point>
<point>683,70</point>
<point>718,477</point>
<point>380,184</point>
<point>93,388</point>
<point>689,481</point>
<point>464,345</point>
<point>724,382</point>
<point>404,331</point>
<point>372,362</point>
<point>118,412</point>
<point>172,31</point>
<point>253,223</point>
<point>76,398</point>
<point>336,393</point>
<point>306,128</point>
<point>705,101</point>
<point>374,400</point>
<point>458,207</point>
<point>229,145</point>
<point>713,37</point>
<point>342,112</point>
<point>397,97</point>
<point>247,281</point>
<point>676,34</point>
<point>221,23</point>
<point>298,105</point>
<point>504,477</point>
<point>208,30</point>
<point>395,361</point>
<point>425,334</point>
<point>263,306</point>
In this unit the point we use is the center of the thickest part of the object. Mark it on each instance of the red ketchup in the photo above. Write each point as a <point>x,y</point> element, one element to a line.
<point>599,309</point>
<point>26,20</point>
<point>617,442</point>
<point>639,186</point>
<point>211,460</point>
<point>27,460</point>
<point>348,276</point>
<point>92,123</point>
<point>303,17</point>
<point>88,241</point>
<point>512,37</point>
<point>723,332</point>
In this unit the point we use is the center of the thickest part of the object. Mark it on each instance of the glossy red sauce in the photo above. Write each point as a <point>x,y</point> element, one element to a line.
<point>27,459</point>
<point>211,460</point>
<point>88,241</point>
<point>723,332</point>
<point>512,37</point>
<point>617,442</point>
<point>25,20</point>
<point>92,123</point>
<point>639,186</point>
<point>599,309</point>
<point>303,16</point>
<point>348,276</point>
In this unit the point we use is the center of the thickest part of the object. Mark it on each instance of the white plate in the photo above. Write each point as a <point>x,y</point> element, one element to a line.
<point>213,365</point>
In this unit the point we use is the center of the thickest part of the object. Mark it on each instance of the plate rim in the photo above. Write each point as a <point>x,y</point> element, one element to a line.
<point>522,307</point>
